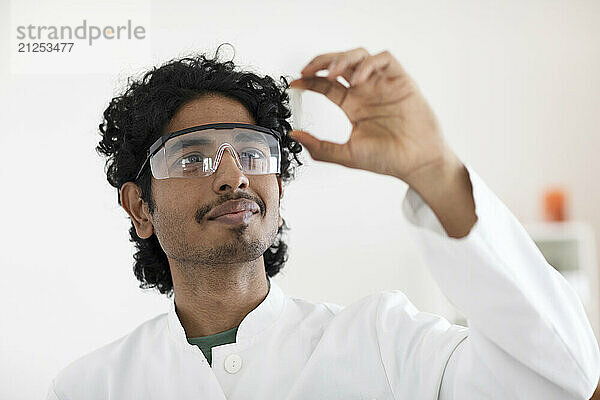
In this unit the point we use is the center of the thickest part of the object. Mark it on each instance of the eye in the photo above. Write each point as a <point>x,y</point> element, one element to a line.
<point>252,153</point>
<point>189,160</point>
<point>193,158</point>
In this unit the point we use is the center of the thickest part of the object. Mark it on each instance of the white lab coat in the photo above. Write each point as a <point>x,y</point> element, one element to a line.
<point>528,335</point>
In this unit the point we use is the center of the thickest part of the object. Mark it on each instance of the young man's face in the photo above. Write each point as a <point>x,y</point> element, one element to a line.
<point>180,220</point>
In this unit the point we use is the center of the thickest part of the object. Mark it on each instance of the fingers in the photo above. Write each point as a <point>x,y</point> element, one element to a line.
<point>322,150</point>
<point>345,59</point>
<point>341,67</point>
<point>333,90</point>
<point>355,65</point>
<point>383,62</point>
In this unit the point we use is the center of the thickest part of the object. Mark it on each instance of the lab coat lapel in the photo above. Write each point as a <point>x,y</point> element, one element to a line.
<point>203,380</point>
<point>214,380</point>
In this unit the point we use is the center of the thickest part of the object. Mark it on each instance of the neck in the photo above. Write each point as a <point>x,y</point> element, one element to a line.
<point>216,298</point>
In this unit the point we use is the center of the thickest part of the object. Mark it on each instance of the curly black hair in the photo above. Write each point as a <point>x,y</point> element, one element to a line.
<point>136,118</point>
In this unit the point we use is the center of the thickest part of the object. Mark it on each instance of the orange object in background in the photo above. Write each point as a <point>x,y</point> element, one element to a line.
<point>554,204</point>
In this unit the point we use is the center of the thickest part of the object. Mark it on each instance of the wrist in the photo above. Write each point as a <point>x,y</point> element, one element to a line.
<point>446,188</point>
<point>437,176</point>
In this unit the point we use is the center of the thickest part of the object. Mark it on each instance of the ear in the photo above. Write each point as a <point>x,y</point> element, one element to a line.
<point>137,209</point>
<point>280,195</point>
<point>280,188</point>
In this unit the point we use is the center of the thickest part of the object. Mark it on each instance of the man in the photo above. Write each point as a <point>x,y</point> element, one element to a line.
<point>214,146</point>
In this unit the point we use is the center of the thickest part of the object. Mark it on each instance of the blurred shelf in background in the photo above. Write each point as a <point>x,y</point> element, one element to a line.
<point>570,247</point>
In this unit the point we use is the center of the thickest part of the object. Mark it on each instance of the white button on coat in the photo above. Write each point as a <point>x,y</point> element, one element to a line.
<point>233,363</point>
<point>528,334</point>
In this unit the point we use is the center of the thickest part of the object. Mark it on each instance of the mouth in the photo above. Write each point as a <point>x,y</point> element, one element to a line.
<point>233,207</point>
<point>235,217</point>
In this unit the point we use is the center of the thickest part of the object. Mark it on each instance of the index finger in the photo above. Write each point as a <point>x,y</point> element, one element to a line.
<point>334,91</point>
<point>324,60</point>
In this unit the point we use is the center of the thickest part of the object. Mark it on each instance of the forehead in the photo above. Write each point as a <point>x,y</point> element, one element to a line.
<point>209,109</point>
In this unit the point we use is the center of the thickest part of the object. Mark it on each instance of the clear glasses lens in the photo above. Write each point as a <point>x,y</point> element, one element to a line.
<point>198,153</point>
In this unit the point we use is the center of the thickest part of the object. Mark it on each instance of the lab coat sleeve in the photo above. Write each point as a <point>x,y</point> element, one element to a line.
<point>528,336</point>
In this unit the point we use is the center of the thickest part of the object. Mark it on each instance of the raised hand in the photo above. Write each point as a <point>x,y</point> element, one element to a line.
<point>394,131</point>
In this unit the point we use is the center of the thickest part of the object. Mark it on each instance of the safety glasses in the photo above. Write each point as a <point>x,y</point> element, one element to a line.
<point>197,151</point>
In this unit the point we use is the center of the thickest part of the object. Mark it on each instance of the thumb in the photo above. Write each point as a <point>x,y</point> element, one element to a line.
<point>322,150</point>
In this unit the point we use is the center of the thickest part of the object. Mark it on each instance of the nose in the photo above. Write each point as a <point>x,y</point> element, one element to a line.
<point>228,176</point>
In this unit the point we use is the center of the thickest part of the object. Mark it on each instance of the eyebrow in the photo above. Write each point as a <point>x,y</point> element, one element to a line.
<point>241,137</point>
<point>245,137</point>
<point>190,142</point>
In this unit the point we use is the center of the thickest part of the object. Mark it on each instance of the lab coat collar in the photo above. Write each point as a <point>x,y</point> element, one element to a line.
<point>259,319</point>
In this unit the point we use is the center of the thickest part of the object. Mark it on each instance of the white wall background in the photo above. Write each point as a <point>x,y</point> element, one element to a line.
<point>515,85</point>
